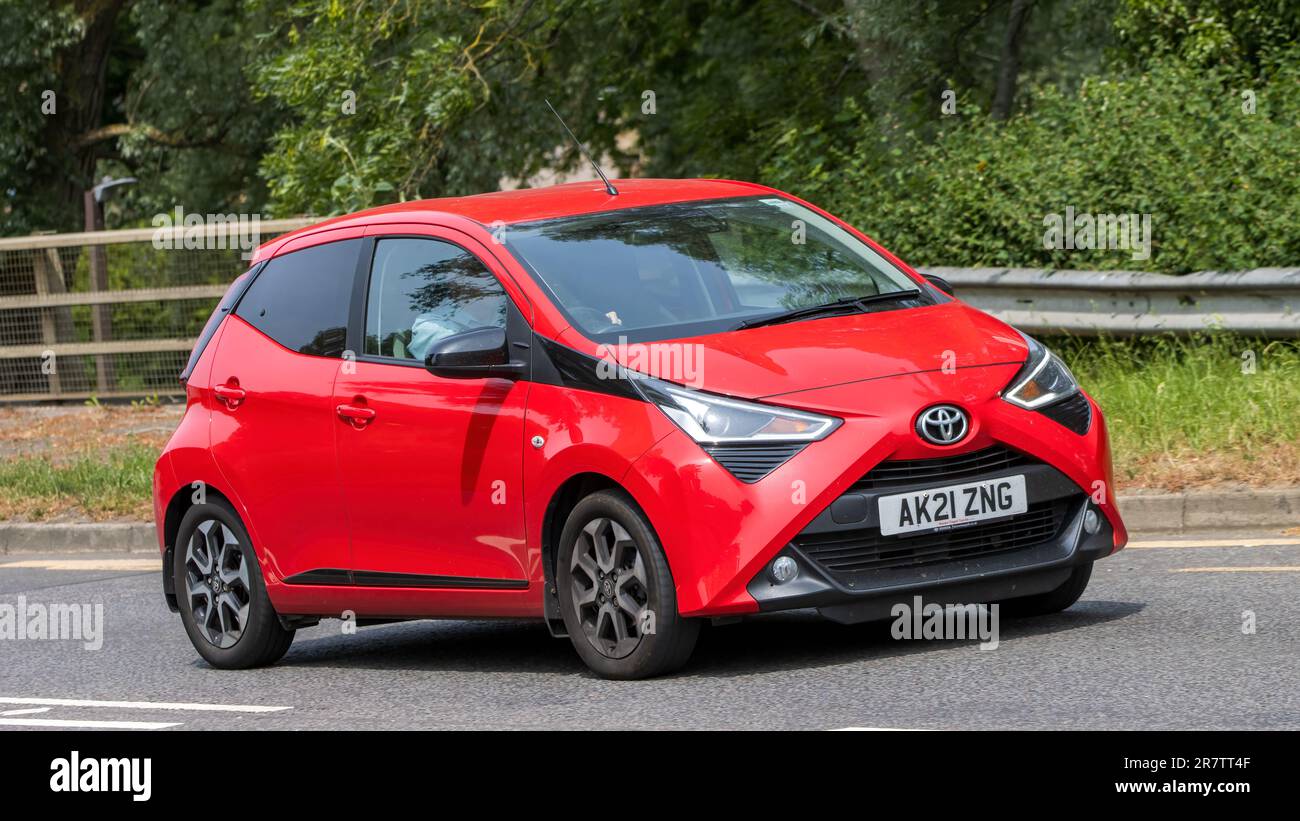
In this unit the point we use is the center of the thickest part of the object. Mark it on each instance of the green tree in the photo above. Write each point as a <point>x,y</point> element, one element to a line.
<point>400,99</point>
<point>149,88</point>
<point>1245,34</point>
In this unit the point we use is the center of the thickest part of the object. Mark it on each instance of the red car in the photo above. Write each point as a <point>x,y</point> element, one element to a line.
<point>621,414</point>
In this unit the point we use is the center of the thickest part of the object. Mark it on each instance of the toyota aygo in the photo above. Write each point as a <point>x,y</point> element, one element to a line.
<point>620,412</point>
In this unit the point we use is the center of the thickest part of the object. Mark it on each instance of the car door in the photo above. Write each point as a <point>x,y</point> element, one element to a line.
<point>431,467</point>
<point>273,421</point>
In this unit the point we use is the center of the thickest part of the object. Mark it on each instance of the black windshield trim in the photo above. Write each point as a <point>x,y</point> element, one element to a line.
<point>632,209</point>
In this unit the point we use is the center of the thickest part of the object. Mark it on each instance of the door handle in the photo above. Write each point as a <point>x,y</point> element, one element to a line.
<point>358,415</point>
<point>231,394</point>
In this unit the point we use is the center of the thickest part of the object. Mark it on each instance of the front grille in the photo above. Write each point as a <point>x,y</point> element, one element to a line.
<point>949,470</point>
<point>856,551</point>
<point>1075,413</point>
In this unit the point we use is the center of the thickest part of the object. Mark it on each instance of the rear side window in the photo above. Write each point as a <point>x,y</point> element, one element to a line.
<point>301,299</point>
<point>233,293</point>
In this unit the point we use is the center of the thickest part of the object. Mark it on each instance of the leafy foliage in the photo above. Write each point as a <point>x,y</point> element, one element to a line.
<point>30,41</point>
<point>1174,142</point>
<point>325,106</point>
<point>402,99</point>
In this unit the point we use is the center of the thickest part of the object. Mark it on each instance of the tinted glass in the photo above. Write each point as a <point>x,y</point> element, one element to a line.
<point>301,299</point>
<point>698,267</point>
<point>233,293</point>
<point>423,290</point>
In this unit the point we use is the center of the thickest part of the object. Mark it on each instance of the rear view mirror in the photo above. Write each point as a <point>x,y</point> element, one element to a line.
<point>478,354</point>
<point>940,283</point>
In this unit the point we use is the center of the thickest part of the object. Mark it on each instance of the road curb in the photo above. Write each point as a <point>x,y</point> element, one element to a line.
<point>1143,513</point>
<point>50,538</point>
<point>1211,510</point>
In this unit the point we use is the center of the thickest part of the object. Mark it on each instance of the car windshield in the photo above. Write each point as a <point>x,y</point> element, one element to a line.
<point>701,267</point>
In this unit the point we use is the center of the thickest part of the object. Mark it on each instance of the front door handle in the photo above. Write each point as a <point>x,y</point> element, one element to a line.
<point>230,393</point>
<point>358,415</point>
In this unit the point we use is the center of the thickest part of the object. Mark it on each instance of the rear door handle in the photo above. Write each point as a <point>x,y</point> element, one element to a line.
<point>358,415</point>
<point>231,394</point>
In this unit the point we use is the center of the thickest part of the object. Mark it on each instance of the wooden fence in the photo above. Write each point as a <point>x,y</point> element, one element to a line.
<point>111,314</point>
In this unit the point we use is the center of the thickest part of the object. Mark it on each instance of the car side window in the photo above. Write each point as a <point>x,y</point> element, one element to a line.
<point>301,299</point>
<point>424,290</point>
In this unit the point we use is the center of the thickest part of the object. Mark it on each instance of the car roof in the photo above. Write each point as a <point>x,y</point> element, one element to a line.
<point>529,204</point>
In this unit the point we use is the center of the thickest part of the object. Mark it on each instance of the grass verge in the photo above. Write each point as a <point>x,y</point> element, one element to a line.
<point>114,484</point>
<point>1208,411</point>
<point>1214,409</point>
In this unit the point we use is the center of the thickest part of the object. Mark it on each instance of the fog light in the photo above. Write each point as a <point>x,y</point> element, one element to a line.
<point>1091,522</point>
<point>784,569</point>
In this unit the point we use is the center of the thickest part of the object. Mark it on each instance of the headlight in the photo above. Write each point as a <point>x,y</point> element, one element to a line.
<point>1042,380</point>
<point>711,419</point>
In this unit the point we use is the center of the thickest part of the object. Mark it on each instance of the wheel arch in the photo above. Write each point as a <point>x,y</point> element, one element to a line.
<point>561,504</point>
<point>177,506</point>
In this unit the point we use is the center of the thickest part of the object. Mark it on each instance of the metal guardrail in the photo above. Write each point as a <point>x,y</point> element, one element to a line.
<point>130,335</point>
<point>1262,302</point>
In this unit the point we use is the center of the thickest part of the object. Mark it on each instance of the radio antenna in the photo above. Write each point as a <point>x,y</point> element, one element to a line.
<point>609,187</point>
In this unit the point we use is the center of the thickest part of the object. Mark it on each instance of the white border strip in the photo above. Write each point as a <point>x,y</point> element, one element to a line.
<point>96,725</point>
<point>145,705</point>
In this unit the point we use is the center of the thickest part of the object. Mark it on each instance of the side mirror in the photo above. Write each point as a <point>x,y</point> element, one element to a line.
<point>478,354</point>
<point>940,283</point>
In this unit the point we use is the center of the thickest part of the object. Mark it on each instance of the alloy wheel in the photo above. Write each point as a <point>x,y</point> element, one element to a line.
<point>609,589</point>
<point>216,576</point>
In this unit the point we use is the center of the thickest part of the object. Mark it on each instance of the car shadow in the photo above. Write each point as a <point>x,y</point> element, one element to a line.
<point>488,646</point>
<point>801,640</point>
<point>762,644</point>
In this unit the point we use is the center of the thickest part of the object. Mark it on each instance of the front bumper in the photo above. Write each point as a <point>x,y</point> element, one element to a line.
<point>851,573</point>
<point>720,533</point>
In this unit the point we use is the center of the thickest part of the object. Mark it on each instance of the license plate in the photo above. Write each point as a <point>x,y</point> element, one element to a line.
<point>952,505</point>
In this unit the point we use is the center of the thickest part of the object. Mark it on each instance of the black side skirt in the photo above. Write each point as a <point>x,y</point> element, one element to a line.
<point>375,578</point>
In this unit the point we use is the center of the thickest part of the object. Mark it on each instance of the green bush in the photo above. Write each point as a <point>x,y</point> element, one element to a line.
<point>1174,142</point>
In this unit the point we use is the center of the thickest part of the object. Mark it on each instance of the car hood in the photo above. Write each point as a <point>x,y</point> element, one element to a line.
<point>779,359</point>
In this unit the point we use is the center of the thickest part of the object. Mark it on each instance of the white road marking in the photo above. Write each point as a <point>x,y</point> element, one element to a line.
<point>145,705</point>
<point>1265,569</point>
<point>82,724</point>
<point>877,730</point>
<point>1155,543</point>
<point>85,564</point>
<point>25,712</point>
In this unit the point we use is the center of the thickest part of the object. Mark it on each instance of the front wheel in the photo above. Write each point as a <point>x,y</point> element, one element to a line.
<point>219,589</point>
<point>616,592</point>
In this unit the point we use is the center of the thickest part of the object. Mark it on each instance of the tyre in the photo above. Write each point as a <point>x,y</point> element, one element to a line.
<point>1053,601</point>
<point>220,591</point>
<point>616,592</point>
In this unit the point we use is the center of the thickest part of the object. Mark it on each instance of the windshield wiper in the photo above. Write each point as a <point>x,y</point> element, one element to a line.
<point>845,305</point>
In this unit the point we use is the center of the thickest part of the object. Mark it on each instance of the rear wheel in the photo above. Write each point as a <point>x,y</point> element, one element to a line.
<point>616,592</point>
<point>1053,601</point>
<point>219,589</point>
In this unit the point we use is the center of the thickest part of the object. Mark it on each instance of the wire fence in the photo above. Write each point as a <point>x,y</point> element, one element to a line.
<point>109,314</point>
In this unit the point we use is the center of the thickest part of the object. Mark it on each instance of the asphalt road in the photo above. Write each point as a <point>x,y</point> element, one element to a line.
<point>1157,642</point>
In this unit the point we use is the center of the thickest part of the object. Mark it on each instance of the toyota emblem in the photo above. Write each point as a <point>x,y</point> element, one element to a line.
<point>943,424</point>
